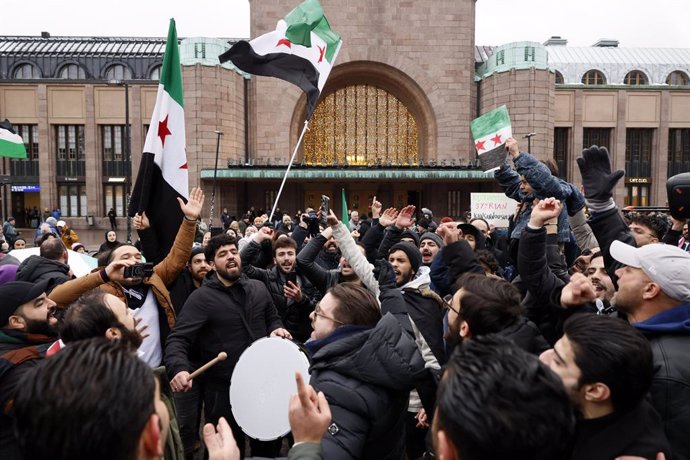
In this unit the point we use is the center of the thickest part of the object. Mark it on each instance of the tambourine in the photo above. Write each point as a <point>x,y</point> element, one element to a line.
<point>261,386</point>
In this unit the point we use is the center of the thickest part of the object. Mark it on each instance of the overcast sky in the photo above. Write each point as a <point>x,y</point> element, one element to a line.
<point>635,23</point>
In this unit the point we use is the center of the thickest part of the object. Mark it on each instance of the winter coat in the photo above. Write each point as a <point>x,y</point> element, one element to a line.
<point>543,183</point>
<point>367,377</point>
<point>220,318</point>
<point>669,335</point>
<point>321,278</point>
<point>36,268</point>
<point>295,315</point>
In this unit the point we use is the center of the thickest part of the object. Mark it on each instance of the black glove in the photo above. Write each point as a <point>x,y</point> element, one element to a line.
<point>597,178</point>
<point>384,273</point>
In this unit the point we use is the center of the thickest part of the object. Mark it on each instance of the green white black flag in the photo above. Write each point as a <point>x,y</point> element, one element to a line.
<point>490,132</point>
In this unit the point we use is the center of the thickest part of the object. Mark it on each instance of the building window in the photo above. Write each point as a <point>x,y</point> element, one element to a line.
<point>72,72</point>
<point>270,198</point>
<point>72,197</point>
<point>114,196</point>
<point>113,143</point>
<point>593,77</point>
<point>559,78</point>
<point>27,167</point>
<point>677,78</point>
<point>635,77</point>
<point>200,50</point>
<point>529,53</point>
<point>501,57</point>
<point>118,72</point>
<point>596,136</point>
<point>638,152</point>
<point>678,151</point>
<point>637,195</point>
<point>455,203</point>
<point>69,144</point>
<point>155,73</point>
<point>26,72</point>
<point>361,125</point>
<point>561,140</point>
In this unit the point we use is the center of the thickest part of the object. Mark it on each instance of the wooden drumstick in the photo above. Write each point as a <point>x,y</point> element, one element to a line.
<point>221,357</point>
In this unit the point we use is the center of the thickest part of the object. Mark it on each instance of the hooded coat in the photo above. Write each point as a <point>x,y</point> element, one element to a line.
<point>34,269</point>
<point>366,377</point>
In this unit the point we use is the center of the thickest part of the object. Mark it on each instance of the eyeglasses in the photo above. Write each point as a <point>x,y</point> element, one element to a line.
<point>448,304</point>
<point>317,312</point>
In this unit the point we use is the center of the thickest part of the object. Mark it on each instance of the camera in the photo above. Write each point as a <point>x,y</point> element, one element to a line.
<point>312,221</point>
<point>140,270</point>
<point>324,210</point>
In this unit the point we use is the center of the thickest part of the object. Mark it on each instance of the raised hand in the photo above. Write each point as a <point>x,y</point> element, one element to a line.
<point>376,207</point>
<point>219,441</point>
<point>192,208</point>
<point>449,232</point>
<point>405,217</point>
<point>309,413</point>
<point>546,210</point>
<point>597,179</point>
<point>512,147</point>
<point>388,217</point>
<point>577,292</point>
<point>141,221</point>
<point>332,219</point>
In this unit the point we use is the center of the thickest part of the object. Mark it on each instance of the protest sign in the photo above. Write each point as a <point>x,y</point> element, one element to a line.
<point>495,208</point>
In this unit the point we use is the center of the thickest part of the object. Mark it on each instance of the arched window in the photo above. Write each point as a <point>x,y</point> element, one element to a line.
<point>593,77</point>
<point>26,72</point>
<point>361,125</point>
<point>118,72</point>
<point>72,72</point>
<point>559,78</point>
<point>677,78</point>
<point>636,77</point>
<point>155,73</point>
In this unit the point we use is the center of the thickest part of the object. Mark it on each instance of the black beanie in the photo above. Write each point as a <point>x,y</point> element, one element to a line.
<point>412,253</point>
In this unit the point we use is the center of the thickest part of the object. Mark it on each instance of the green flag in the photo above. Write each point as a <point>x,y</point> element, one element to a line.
<point>346,218</point>
<point>11,144</point>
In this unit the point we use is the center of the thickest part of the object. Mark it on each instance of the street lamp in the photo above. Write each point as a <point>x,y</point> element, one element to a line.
<point>529,141</point>
<point>127,157</point>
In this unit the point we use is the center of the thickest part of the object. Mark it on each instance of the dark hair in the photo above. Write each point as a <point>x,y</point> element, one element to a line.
<point>216,243</point>
<point>609,350</point>
<point>91,400</point>
<point>488,227</point>
<point>284,243</point>
<point>45,237</point>
<point>52,248</point>
<point>488,304</point>
<point>496,401</point>
<point>356,305</point>
<point>487,258</point>
<point>110,255</point>
<point>88,317</point>
<point>552,165</point>
<point>657,224</point>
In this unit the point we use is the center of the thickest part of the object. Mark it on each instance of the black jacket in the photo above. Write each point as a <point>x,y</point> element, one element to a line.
<point>636,433</point>
<point>219,318</point>
<point>36,268</point>
<point>450,262</point>
<point>181,289</point>
<point>366,378</point>
<point>321,278</point>
<point>294,315</point>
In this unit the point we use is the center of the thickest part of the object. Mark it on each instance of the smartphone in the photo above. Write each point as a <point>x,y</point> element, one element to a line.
<point>292,276</point>
<point>324,209</point>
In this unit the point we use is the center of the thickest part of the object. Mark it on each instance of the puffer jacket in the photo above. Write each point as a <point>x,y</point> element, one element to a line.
<point>367,377</point>
<point>294,315</point>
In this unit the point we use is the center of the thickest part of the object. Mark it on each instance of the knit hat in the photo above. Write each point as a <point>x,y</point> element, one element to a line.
<point>16,293</point>
<point>446,219</point>
<point>410,234</point>
<point>432,236</point>
<point>411,251</point>
<point>76,246</point>
<point>52,221</point>
<point>196,250</point>
<point>426,212</point>
<point>8,273</point>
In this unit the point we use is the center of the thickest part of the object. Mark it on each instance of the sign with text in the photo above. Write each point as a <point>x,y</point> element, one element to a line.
<point>495,208</point>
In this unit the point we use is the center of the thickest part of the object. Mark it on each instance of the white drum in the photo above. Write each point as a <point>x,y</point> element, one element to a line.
<point>261,386</point>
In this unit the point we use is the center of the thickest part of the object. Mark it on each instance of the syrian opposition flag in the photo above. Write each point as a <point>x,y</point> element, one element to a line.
<point>11,143</point>
<point>162,176</point>
<point>490,132</point>
<point>345,217</point>
<point>302,50</point>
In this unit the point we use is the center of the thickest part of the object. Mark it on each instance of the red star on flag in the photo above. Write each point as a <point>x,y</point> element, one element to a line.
<point>496,139</point>
<point>184,166</point>
<point>284,41</point>
<point>322,50</point>
<point>479,145</point>
<point>163,130</point>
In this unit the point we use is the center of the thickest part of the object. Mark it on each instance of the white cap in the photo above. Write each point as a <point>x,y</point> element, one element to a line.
<point>665,264</point>
<point>61,223</point>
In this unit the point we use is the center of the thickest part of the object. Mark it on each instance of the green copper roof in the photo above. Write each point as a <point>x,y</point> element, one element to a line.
<point>410,174</point>
<point>518,55</point>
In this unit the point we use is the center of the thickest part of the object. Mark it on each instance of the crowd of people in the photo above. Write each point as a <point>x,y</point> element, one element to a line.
<point>565,338</point>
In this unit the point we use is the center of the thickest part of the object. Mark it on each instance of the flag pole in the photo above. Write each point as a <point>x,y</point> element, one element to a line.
<point>287,171</point>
